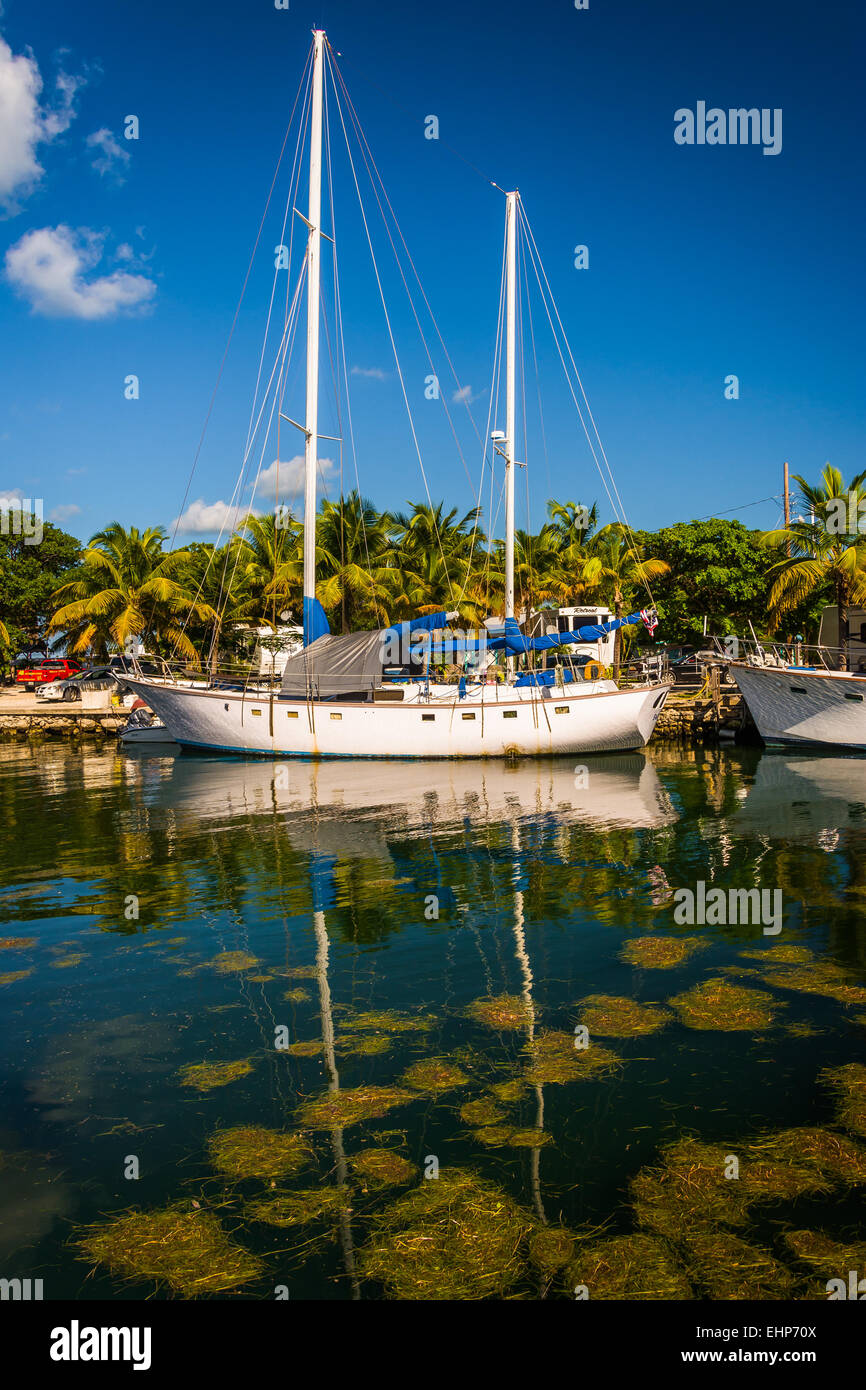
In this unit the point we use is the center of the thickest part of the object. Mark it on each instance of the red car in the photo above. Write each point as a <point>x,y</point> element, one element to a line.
<point>53,668</point>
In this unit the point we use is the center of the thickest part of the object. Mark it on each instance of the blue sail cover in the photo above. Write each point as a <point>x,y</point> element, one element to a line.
<point>315,621</point>
<point>429,622</point>
<point>510,639</point>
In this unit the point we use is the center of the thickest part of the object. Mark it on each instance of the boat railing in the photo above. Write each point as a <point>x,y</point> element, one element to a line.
<point>793,655</point>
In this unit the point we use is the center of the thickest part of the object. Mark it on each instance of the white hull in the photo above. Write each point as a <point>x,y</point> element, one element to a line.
<point>494,723</point>
<point>827,707</point>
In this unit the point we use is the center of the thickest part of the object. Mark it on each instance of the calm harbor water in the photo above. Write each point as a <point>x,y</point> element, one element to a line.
<point>329,927</point>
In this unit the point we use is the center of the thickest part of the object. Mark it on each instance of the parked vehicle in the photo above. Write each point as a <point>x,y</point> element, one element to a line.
<point>42,673</point>
<point>106,677</point>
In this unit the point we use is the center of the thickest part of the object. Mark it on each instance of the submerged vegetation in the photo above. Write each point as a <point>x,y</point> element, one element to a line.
<point>386,1021</point>
<point>717,1004</point>
<point>230,962</point>
<point>250,1151</point>
<point>505,1013</point>
<point>205,1076</point>
<point>849,1085</point>
<point>555,1058</point>
<point>661,952</point>
<point>612,1017</point>
<point>634,1266</point>
<point>383,1168</point>
<point>458,1237</point>
<point>434,1074</point>
<point>299,1208</point>
<point>338,1109</point>
<point>180,1246</point>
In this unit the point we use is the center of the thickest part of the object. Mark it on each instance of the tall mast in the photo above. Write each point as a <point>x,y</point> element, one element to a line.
<point>311,419</point>
<point>510,394</point>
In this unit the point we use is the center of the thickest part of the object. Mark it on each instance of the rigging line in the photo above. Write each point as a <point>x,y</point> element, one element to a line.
<point>231,506</point>
<point>631,543</point>
<point>290,199</point>
<point>225,356</point>
<point>535,367</point>
<point>522,365</point>
<point>491,416</point>
<point>485,445</point>
<point>246,520</point>
<point>392,340</point>
<point>225,592</point>
<point>369,161</point>
<point>279,362</point>
<point>238,308</point>
<point>399,230</point>
<point>711,516</point>
<point>414,116</point>
<point>616,509</point>
<point>338,312</point>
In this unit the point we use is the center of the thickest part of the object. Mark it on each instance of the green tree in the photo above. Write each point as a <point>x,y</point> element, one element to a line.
<point>128,586</point>
<point>716,569</point>
<point>29,574</point>
<point>824,557</point>
<point>353,555</point>
<point>616,569</point>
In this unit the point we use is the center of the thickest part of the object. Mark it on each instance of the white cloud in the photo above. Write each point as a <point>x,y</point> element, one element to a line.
<point>50,267</point>
<point>111,159</point>
<point>288,476</point>
<point>465,395</point>
<point>64,512</point>
<point>203,517</point>
<point>25,123</point>
<point>375,373</point>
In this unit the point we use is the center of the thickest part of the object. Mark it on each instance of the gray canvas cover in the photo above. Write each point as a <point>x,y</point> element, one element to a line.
<point>335,665</point>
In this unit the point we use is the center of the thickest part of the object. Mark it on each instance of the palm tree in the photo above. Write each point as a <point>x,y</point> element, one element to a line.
<point>614,568</point>
<point>432,561</point>
<point>265,573</point>
<point>822,553</point>
<point>128,586</point>
<point>353,554</point>
<point>573,522</point>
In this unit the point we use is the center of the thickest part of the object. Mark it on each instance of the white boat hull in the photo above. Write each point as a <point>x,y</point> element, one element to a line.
<point>500,724</point>
<point>826,707</point>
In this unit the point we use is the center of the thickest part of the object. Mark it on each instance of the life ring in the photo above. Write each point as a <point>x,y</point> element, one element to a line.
<point>593,671</point>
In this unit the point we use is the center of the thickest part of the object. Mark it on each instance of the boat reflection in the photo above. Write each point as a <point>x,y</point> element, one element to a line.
<point>359,799</point>
<point>797,797</point>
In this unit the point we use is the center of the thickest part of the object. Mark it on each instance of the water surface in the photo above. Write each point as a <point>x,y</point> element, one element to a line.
<point>418,889</point>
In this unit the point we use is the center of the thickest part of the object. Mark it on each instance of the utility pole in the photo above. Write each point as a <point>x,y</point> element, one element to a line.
<point>787,511</point>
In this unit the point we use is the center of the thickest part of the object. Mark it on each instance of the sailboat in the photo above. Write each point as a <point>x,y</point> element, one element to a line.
<point>339,696</point>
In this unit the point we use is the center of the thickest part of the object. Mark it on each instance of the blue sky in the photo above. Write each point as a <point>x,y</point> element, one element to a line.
<point>127,257</point>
